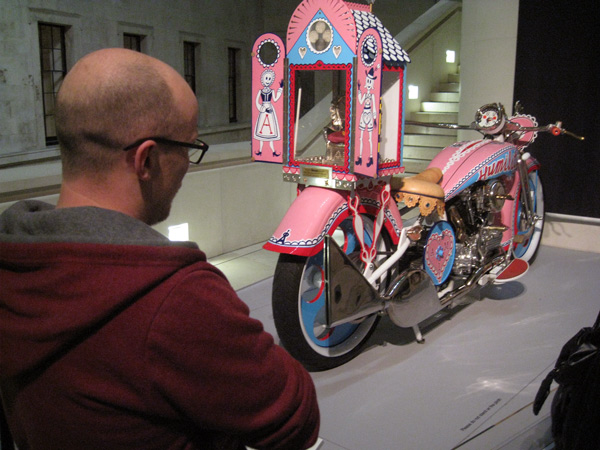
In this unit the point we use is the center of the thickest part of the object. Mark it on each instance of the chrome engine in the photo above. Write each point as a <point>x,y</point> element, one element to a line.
<point>475,215</point>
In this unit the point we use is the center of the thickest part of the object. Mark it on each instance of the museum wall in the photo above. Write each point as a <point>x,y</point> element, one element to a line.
<point>487,64</point>
<point>215,26</point>
<point>428,68</point>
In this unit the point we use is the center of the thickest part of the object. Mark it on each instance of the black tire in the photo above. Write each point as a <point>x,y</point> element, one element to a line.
<point>299,312</point>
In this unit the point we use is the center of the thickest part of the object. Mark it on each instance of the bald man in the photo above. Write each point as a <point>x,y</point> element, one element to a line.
<point>112,337</point>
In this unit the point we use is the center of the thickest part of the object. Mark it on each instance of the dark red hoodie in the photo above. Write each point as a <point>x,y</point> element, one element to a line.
<point>137,344</point>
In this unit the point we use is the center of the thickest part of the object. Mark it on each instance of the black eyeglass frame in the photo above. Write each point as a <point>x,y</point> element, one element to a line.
<point>197,145</point>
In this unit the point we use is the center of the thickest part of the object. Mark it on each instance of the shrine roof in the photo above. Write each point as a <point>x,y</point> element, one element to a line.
<point>393,54</point>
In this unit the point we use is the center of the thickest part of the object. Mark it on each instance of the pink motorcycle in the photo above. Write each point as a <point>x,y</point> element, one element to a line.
<point>348,256</point>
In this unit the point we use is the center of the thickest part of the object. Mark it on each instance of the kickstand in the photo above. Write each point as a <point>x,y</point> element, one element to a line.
<point>418,335</point>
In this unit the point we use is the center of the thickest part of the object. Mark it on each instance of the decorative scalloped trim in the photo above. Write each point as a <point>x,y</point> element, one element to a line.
<point>426,204</point>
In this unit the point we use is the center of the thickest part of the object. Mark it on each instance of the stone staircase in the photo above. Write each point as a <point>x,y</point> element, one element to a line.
<point>422,143</point>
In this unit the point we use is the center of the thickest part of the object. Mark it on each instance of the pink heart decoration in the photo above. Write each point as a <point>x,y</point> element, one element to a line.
<point>438,253</point>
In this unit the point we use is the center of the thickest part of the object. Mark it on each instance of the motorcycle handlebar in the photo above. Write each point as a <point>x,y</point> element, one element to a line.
<point>556,129</point>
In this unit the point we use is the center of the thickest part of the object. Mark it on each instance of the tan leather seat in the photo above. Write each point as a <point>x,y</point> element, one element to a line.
<point>422,189</point>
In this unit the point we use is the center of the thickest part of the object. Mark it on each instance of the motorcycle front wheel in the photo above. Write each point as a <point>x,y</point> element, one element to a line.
<point>299,305</point>
<point>528,248</point>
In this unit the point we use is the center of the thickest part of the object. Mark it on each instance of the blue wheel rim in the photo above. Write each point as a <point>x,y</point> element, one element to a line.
<point>312,297</point>
<point>521,248</point>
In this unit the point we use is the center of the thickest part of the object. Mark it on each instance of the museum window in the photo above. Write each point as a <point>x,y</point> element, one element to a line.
<point>189,63</point>
<point>132,41</point>
<point>233,75</point>
<point>54,68</point>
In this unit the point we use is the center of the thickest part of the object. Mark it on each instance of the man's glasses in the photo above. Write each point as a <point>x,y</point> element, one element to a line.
<point>196,150</point>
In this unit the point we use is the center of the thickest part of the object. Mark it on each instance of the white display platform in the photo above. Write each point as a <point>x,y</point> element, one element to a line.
<point>474,377</point>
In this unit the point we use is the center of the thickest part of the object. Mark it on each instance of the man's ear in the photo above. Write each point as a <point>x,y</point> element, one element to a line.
<point>143,161</point>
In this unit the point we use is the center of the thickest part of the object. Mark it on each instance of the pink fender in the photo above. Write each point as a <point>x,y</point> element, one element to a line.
<point>318,211</point>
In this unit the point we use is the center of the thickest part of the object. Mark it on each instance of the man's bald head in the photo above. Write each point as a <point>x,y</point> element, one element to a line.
<point>109,99</point>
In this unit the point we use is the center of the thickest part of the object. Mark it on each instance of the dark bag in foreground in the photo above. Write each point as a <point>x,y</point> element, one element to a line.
<point>576,405</point>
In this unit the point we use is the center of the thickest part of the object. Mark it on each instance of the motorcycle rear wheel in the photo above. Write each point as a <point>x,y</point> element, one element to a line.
<point>299,306</point>
<point>528,249</point>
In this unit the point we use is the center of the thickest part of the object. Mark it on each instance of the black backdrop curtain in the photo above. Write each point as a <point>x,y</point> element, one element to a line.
<point>557,78</point>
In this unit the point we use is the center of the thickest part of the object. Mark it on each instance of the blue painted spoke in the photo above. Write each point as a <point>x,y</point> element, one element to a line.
<point>313,309</point>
